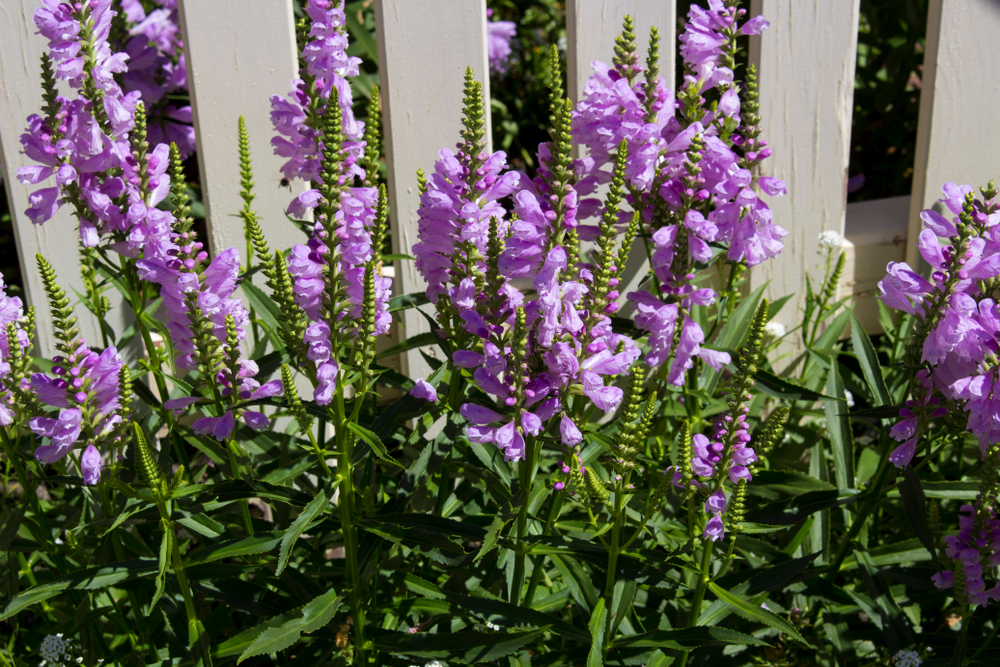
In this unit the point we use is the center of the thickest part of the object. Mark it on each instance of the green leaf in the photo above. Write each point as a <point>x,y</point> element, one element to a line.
<point>782,389</point>
<point>463,646</point>
<point>492,536</point>
<point>732,335</point>
<point>756,614</point>
<point>404,301</point>
<point>282,631</point>
<point>839,427</point>
<point>423,587</point>
<point>488,607</point>
<point>595,658</point>
<point>254,544</point>
<point>915,504</point>
<point>688,639</point>
<point>90,579</point>
<point>869,362</point>
<point>775,483</point>
<point>302,521</point>
<point>895,627</point>
<point>266,309</point>
<point>12,524</point>
<point>789,512</point>
<point>374,442</point>
<point>164,564</point>
<point>411,343</point>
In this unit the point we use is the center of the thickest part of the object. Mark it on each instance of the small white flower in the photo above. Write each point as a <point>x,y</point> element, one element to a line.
<point>54,647</point>
<point>907,659</point>
<point>850,398</point>
<point>830,240</point>
<point>775,329</point>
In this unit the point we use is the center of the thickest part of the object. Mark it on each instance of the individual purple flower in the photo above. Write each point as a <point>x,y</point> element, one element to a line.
<point>569,432</point>
<point>498,37</point>
<point>423,389</point>
<point>715,529</point>
<point>91,465</point>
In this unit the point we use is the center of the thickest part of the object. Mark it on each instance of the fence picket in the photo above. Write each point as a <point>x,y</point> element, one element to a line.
<point>237,57</point>
<point>957,133</point>
<point>421,93</point>
<point>805,62</point>
<point>21,50</point>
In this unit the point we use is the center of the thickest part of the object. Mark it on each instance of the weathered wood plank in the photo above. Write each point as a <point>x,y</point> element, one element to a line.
<point>237,57</point>
<point>421,93</point>
<point>876,235</point>
<point>805,63</point>
<point>21,50</point>
<point>957,132</point>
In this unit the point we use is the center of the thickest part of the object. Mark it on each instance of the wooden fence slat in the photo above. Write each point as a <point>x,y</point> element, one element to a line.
<point>21,50</point>
<point>424,48</point>
<point>591,28</point>
<point>805,62</point>
<point>238,55</point>
<point>957,132</point>
<point>876,232</point>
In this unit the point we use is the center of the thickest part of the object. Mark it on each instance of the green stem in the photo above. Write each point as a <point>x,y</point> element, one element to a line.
<point>613,549</point>
<point>874,496</point>
<point>699,592</point>
<point>525,476</point>
<point>344,470</point>
<point>555,506</point>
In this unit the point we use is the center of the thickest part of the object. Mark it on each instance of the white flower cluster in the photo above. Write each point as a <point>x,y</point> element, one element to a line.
<point>432,663</point>
<point>56,650</point>
<point>483,627</point>
<point>775,329</point>
<point>830,240</point>
<point>907,659</point>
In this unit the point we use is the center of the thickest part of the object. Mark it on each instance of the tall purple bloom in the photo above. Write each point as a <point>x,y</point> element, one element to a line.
<point>324,143</point>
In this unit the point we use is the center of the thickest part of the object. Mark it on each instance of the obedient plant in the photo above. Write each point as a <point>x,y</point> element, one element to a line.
<point>602,464</point>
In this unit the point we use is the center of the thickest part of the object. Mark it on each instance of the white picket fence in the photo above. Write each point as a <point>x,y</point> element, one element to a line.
<point>241,51</point>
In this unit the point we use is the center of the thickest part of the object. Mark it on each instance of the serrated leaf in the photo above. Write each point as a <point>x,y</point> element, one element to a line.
<point>487,608</point>
<point>688,639</point>
<point>756,614</point>
<point>423,587</point>
<point>464,646</point>
<point>595,658</point>
<point>93,578</point>
<point>789,512</point>
<point>254,544</point>
<point>492,536</point>
<point>374,442</point>
<point>302,521</point>
<point>282,631</point>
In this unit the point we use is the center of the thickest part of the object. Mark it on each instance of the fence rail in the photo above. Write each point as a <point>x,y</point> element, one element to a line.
<point>239,53</point>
